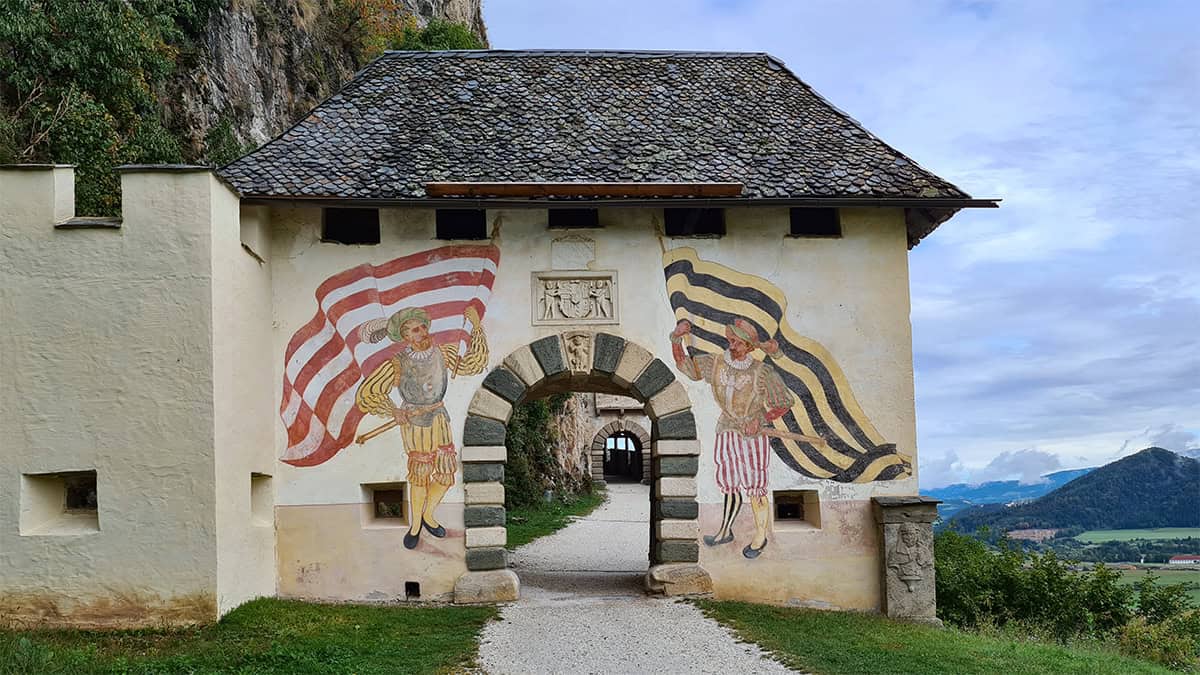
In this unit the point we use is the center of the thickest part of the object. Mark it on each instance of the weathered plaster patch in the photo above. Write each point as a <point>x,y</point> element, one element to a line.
<point>118,609</point>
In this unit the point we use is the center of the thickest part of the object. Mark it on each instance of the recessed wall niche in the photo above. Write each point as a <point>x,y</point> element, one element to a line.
<point>59,503</point>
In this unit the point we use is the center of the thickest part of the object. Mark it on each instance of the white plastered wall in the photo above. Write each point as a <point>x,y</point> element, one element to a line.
<point>105,365</point>
<point>850,294</point>
<point>243,401</point>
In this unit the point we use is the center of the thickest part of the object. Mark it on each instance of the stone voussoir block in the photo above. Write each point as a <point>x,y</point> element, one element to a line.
<point>484,453</point>
<point>680,426</point>
<point>492,472</point>
<point>549,355</point>
<point>677,448</point>
<point>678,551</point>
<point>505,384</point>
<point>491,558</point>
<point>483,431</point>
<point>607,352</point>
<point>484,516</point>
<point>486,587</point>
<point>633,361</point>
<point>487,404</point>
<point>677,509</point>
<point>653,379</point>
<point>672,399</point>
<point>675,486</point>
<point>688,530</point>
<point>677,466</point>
<point>482,537</point>
<point>484,493</point>
<point>526,367</point>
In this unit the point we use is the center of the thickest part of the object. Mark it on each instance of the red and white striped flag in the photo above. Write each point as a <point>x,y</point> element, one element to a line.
<point>326,359</point>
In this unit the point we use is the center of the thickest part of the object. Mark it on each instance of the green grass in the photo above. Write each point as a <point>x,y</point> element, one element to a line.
<point>264,636</point>
<point>527,523</point>
<point>1166,575</point>
<point>844,642</point>
<point>1097,536</point>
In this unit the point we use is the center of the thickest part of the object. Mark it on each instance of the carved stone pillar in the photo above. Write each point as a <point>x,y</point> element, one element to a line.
<point>906,556</point>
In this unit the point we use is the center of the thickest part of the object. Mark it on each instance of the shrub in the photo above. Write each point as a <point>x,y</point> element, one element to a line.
<point>77,82</point>
<point>1174,643</point>
<point>978,586</point>
<point>532,467</point>
<point>1159,602</point>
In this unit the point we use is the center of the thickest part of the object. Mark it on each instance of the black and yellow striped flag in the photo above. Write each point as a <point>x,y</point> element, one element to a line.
<point>712,296</point>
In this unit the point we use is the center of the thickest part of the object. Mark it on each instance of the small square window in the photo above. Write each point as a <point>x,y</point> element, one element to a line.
<point>350,226</point>
<point>801,508</point>
<point>462,224</point>
<point>80,491</point>
<point>694,222</point>
<point>815,223</point>
<point>389,504</point>
<point>570,219</point>
<point>386,505</point>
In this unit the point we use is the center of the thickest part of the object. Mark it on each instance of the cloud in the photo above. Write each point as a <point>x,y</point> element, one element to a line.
<point>1169,436</point>
<point>1028,466</point>
<point>943,470</point>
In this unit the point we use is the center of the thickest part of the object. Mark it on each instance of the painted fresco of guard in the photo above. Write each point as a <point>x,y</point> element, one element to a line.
<point>751,395</point>
<point>420,374</point>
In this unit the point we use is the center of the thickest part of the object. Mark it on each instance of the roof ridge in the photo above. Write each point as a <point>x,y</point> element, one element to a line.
<point>617,53</point>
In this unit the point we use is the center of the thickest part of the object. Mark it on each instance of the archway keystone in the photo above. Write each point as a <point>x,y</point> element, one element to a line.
<point>582,361</point>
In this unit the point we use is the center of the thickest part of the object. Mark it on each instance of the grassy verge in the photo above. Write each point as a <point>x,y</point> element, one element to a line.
<point>264,636</point>
<point>527,523</point>
<point>844,642</point>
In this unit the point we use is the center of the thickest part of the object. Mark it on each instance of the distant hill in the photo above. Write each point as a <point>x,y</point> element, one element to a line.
<point>1194,453</point>
<point>1153,488</point>
<point>961,496</point>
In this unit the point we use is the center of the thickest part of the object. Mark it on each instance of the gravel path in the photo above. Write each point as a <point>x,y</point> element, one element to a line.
<point>582,608</point>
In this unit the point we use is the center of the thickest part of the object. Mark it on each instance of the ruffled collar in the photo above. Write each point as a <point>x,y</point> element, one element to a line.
<point>416,355</point>
<point>739,364</point>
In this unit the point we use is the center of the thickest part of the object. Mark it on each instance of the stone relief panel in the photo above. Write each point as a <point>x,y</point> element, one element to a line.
<point>561,298</point>
<point>909,558</point>
<point>578,347</point>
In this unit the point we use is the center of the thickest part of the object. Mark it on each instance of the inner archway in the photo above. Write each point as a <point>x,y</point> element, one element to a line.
<point>634,465</point>
<point>582,361</point>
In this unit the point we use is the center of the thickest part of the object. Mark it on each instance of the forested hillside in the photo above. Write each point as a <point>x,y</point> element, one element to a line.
<point>99,83</point>
<point>1153,488</point>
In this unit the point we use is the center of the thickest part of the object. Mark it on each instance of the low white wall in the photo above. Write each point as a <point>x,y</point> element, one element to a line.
<point>106,365</point>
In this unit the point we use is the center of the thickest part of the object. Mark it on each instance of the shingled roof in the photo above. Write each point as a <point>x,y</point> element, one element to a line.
<point>409,118</point>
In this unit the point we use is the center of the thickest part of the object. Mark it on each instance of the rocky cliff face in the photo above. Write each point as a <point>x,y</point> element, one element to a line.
<point>262,64</point>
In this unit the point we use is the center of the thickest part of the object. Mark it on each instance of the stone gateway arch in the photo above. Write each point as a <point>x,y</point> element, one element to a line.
<point>581,361</point>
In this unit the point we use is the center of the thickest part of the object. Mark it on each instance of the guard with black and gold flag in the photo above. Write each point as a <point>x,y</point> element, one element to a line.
<point>822,433</point>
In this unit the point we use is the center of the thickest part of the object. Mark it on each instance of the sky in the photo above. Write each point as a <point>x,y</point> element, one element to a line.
<point>1062,330</point>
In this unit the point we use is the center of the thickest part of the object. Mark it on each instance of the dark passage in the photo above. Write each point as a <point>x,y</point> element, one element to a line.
<point>622,458</point>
